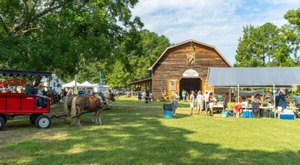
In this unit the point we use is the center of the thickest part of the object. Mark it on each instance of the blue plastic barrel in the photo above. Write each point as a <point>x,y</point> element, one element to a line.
<point>167,110</point>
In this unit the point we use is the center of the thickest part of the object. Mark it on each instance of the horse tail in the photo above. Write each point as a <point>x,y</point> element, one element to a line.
<point>66,105</point>
<point>73,108</point>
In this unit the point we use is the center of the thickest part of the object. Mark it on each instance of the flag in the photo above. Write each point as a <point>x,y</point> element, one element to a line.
<point>100,82</point>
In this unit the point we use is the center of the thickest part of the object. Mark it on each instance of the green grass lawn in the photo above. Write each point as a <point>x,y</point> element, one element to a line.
<point>137,133</point>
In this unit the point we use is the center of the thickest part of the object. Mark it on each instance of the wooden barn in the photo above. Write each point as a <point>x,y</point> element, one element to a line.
<point>183,66</point>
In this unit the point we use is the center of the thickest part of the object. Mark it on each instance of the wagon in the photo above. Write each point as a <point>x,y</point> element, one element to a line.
<point>16,104</point>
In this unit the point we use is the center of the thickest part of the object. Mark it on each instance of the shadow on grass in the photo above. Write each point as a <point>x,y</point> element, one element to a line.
<point>135,137</point>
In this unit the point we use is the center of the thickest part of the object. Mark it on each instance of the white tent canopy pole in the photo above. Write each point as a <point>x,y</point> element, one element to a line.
<point>238,88</point>
<point>274,97</point>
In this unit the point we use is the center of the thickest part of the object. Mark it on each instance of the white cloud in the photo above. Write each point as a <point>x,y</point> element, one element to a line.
<point>216,22</point>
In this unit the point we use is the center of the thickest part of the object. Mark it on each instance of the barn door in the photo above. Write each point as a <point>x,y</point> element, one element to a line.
<point>173,86</point>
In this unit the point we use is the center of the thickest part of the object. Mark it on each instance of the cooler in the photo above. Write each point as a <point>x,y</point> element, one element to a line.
<point>287,116</point>
<point>247,114</point>
<point>167,110</point>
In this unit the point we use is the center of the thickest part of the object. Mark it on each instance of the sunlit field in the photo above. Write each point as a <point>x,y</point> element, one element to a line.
<point>137,133</point>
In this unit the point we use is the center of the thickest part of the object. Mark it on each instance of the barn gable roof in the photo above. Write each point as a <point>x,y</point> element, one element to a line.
<point>189,41</point>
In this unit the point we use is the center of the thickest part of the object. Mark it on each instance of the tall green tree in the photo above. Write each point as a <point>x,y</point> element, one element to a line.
<point>292,33</point>
<point>59,35</point>
<point>268,45</point>
<point>137,51</point>
<point>261,46</point>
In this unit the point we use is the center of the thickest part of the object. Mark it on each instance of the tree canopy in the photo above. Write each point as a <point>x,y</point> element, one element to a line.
<point>138,51</point>
<point>269,45</point>
<point>57,35</point>
<point>81,37</point>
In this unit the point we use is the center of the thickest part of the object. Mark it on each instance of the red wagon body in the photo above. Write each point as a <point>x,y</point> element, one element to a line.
<point>22,104</point>
<point>12,104</point>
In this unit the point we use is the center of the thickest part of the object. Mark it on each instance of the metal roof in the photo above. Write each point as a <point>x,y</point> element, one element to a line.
<point>254,76</point>
<point>6,72</point>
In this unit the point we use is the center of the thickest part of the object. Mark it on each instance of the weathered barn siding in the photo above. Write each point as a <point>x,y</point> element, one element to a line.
<point>174,62</point>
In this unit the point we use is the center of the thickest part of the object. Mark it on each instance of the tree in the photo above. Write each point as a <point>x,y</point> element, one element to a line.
<point>268,45</point>
<point>292,33</point>
<point>58,35</point>
<point>137,51</point>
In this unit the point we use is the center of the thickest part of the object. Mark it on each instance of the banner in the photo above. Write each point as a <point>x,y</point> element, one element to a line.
<point>100,82</point>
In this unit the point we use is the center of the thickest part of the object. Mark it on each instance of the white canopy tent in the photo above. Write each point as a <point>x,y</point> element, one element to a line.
<point>254,77</point>
<point>71,84</point>
<point>86,84</point>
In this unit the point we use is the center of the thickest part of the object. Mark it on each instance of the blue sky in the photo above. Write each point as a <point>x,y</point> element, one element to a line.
<point>215,22</point>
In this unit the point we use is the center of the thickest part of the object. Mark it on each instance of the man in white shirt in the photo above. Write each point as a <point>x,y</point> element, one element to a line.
<point>199,103</point>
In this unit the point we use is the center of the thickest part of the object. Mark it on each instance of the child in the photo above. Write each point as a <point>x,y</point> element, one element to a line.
<point>211,104</point>
<point>238,109</point>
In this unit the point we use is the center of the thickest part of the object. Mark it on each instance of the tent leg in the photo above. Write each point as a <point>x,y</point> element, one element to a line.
<point>238,89</point>
<point>274,97</point>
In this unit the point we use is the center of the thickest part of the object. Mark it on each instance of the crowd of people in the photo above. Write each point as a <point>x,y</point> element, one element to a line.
<point>197,100</point>
<point>147,96</point>
<point>261,105</point>
<point>39,90</point>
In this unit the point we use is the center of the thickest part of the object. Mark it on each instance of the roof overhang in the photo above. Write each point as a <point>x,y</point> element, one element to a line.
<point>5,72</point>
<point>141,81</point>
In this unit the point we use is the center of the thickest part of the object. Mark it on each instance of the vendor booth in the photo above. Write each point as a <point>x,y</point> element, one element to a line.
<point>86,84</point>
<point>254,77</point>
<point>71,84</point>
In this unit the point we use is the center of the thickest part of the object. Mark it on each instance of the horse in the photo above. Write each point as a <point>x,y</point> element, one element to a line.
<point>67,106</point>
<point>89,103</point>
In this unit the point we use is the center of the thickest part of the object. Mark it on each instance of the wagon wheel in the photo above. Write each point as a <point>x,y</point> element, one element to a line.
<point>2,123</point>
<point>4,119</point>
<point>33,118</point>
<point>43,121</point>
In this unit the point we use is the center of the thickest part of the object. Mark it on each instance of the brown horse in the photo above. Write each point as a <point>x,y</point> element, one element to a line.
<point>90,103</point>
<point>67,106</point>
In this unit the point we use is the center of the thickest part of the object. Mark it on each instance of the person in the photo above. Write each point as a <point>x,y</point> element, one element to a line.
<point>29,88</point>
<point>175,99</point>
<point>199,102</point>
<point>139,94</point>
<point>206,96</point>
<point>183,94</point>
<point>192,102</point>
<point>63,94</point>
<point>238,109</point>
<point>70,92</point>
<point>255,105</point>
<point>281,100</point>
<point>211,103</point>
<point>111,96</point>
<point>147,97</point>
<point>244,103</point>
<point>50,94</point>
<point>40,99</point>
<point>150,97</point>
<point>225,101</point>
